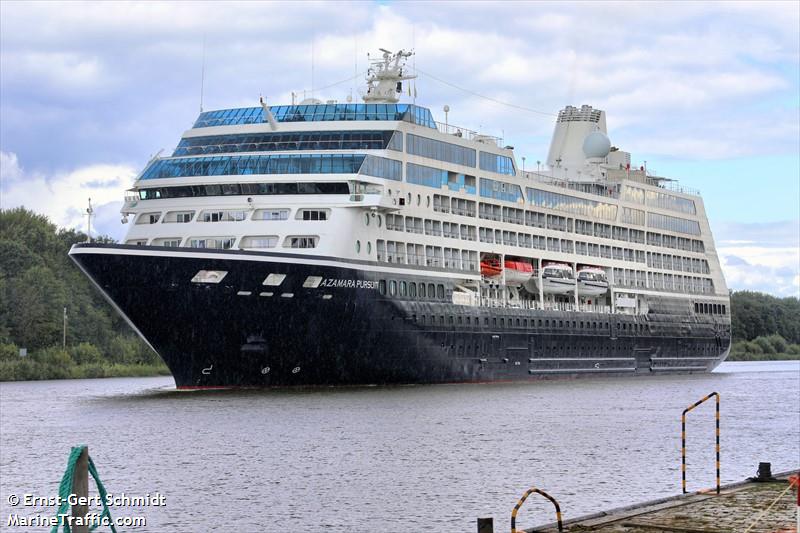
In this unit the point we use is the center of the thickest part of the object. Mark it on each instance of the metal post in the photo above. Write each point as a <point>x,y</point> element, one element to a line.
<point>717,427</point>
<point>683,439</point>
<point>80,488</point>
<point>575,278</point>
<point>503,279</point>
<point>525,497</point>
<point>64,336</point>
<point>540,266</point>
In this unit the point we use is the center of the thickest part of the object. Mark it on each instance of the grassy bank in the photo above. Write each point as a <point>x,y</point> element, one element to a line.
<point>28,370</point>
<point>764,348</point>
<point>80,361</point>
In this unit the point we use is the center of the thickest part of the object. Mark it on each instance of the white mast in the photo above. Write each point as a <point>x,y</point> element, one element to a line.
<point>89,214</point>
<point>385,78</point>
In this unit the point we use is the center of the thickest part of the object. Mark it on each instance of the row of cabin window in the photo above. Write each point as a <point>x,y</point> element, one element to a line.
<point>503,322</point>
<point>243,189</point>
<point>467,349</point>
<point>609,252</point>
<point>680,283</point>
<point>630,278</point>
<point>431,227</point>
<point>525,217</point>
<point>669,262</point>
<point>704,308</point>
<point>457,206</point>
<point>658,280</point>
<point>411,289</point>
<point>232,216</point>
<point>433,256</point>
<point>227,243</point>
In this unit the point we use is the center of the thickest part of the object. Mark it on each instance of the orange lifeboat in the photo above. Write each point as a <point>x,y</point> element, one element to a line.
<point>518,272</point>
<point>491,268</point>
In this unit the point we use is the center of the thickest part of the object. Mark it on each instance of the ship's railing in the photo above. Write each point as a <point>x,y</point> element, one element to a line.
<point>597,189</point>
<point>423,260</point>
<point>673,186</point>
<point>498,303</point>
<point>611,190</point>
<point>649,177</point>
<point>468,134</point>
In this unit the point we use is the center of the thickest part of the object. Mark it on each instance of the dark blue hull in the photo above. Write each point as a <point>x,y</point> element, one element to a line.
<point>242,333</point>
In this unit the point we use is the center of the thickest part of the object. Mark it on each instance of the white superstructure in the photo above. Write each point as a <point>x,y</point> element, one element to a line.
<point>384,185</point>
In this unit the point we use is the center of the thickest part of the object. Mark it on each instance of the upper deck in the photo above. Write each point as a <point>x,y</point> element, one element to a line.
<point>318,113</point>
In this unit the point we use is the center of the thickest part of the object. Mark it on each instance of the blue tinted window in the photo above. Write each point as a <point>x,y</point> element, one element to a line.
<point>322,112</point>
<point>271,142</point>
<point>396,142</point>
<point>381,167</point>
<point>422,175</point>
<point>440,150</point>
<point>500,190</point>
<point>254,164</point>
<point>572,204</point>
<point>670,201</point>
<point>497,163</point>
<point>238,189</point>
<point>680,225</point>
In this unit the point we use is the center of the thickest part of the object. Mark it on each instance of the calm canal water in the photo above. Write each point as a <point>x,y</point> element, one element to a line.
<point>399,459</point>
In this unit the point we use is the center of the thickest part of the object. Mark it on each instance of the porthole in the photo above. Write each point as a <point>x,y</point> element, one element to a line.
<point>366,219</point>
<point>419,199</point>
<point>409,198</point>
<point>369,247</point>
<point>358,247</point>
<point>380,221</point>
<point>428,201</point>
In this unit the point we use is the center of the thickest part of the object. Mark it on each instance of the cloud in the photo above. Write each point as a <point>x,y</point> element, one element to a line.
<point>734,261</point>
<point>119,81</point>
<point>64,197</point>
<point>98,88</point>
<point>763,257</point>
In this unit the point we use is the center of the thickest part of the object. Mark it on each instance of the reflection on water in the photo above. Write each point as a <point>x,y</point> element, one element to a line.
<point>413,458</point>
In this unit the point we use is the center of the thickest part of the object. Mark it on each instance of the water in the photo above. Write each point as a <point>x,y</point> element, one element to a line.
<point>399,459</point>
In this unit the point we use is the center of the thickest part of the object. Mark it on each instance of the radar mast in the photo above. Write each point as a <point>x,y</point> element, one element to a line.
<point>385,77</point>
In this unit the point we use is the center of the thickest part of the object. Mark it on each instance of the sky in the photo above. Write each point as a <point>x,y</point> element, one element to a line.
<point>707,93</point>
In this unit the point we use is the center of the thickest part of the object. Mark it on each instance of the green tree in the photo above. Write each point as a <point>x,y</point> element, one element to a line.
<point>33,308</point>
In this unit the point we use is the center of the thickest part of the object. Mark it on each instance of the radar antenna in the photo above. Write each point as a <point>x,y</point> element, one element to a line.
<point>385,77</point>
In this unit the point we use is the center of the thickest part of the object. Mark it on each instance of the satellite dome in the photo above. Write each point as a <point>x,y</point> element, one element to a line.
<point>596,144</point>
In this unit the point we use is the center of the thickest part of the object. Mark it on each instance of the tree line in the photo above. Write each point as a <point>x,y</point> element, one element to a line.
<point>38,281</point>
<point>764,326</point>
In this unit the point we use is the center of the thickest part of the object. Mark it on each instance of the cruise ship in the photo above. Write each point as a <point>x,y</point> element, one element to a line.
<point>327,243</point>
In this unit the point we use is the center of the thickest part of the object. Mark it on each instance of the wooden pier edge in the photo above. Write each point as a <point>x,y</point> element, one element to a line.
<point>629,511</point>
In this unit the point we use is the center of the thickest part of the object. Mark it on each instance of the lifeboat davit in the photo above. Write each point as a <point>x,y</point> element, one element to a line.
<point>518,272</point>
<point>592,281</point>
